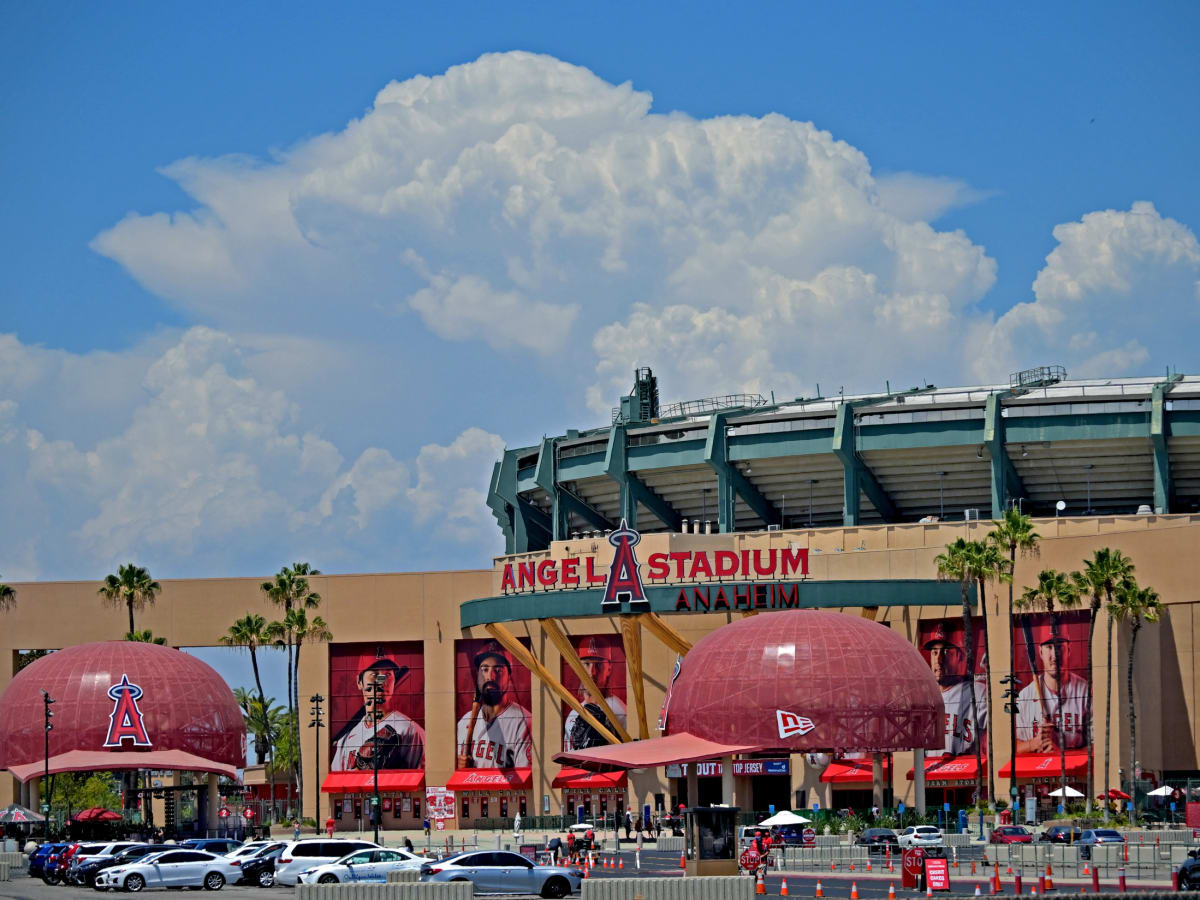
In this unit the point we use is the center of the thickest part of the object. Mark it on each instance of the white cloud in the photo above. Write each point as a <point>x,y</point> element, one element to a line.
<point>1119,294</point>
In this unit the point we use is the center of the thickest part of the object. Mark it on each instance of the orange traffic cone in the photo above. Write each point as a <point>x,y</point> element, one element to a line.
<point>996,889</point>
<point>832,865</point>
<point>1085,869</point>
<point>851,865</point>
<point>1048,881</point>
<point>892,891</point>
<point>978,893</point>
<point>928,889</point>
<point>620,862</point>
<point>1049,871</point>
<point>683,860</point>
<point>759,886</point>
<point>783,891</point>
<point>854,890</point>
<point>820,893</point>
<point>585,871</point>
<point>868,865</point>
<point>972,867</point>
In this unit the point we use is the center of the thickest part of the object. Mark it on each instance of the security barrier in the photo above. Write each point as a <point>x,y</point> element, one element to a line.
<point>17,862</point>
<point>4,871</point>
<point>674,844</point>
<point>403,876</point>
<point>713,887</point>
<point>440,890</point>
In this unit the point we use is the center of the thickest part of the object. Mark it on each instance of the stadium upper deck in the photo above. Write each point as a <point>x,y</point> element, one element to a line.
<point>1098,446</point>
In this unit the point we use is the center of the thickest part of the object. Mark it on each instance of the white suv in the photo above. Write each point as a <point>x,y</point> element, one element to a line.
<point>309,853</point>
<point>920,836</point>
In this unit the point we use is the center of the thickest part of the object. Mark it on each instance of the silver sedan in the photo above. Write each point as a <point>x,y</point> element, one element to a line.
<point>171,869</point>
<point>502,872</point>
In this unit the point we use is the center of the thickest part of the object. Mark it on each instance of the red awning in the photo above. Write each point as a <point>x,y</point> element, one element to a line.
<point>483,779</point>
<point>949,768</point>
<point>104,760</point>
<point>358,782</point>
<point>580,778</point>
<point>1036,765</point>
<point>650,754</point>
<point>852,771</point>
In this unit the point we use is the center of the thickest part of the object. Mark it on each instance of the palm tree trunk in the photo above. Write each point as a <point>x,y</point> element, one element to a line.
<point>970,642</point>
<point>296,741</point>
<point>1135,624</point>
<point>1088,713</point>
<point>987,674</point>
<point>291,699</point>
<point>129,605</point>
<point>1108,720</point>
<point>1012,670</point>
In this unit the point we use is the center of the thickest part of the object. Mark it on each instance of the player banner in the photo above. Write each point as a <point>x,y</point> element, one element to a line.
<point>603,657</point>
<point>492,697</point>
<point>1054,697</point>
<point>943,644</point>
<point>377,706</point>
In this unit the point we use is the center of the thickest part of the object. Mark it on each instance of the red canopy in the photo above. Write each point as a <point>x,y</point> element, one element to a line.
<point>97,814</point>
<point>649,754</point>
<point>577,779</point>
<point>485,779</point>
<point>364,782</point>
<point>1049,765</point>
<point>852,771</point>
<point>1114,794</point>
<point>949,768</point>
<point>103,760</point>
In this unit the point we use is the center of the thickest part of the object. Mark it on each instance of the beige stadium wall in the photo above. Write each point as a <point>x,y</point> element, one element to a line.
<point>424,606</point>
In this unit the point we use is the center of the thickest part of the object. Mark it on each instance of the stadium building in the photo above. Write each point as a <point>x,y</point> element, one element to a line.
<point>461,687</point>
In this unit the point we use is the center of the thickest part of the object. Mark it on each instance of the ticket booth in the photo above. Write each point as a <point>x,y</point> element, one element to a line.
<point>710,835</point>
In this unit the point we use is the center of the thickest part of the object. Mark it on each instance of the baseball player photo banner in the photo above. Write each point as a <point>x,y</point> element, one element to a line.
<point>603,657</point>
<point>943,644</point>
<point>1054,700</point>
<point>492,700</point>
<point>377,706</point>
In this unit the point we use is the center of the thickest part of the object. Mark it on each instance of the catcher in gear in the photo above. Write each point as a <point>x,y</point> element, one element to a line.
<point>577,733</point>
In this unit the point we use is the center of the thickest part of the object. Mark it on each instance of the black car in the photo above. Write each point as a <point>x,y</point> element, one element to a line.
<point>260,868</point>
<point>86,873</point>
<point>1189,872</point>
<point>1061,834</point>
<point>877,840</point>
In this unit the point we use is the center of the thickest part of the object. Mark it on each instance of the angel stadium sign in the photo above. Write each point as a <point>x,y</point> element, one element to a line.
<point>683,581</point>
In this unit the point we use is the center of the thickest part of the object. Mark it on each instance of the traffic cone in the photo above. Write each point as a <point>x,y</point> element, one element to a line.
<point>1048,881</point>
<point>683,860</point>
<point>868,864</point>
<point>820,893</point>
<point>892,891</point>
<point>832,865</point>
<point>783,891</point>
<point>620,862</point>
<point>1086,871</point>
<point>1049,871</point>
<point>996,879</point>
<point>978,893</point>
<point>1033,891</point>
<point>759,886</point>
<point>1008,871</point>
<point>854,890</point>
<point>851,865</point>
<point>972,867</point>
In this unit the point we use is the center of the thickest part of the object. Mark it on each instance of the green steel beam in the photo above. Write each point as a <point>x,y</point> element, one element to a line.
<point>1006,483</point>
<point>565,501</point>
<point>531,528</point>
<point>1160,431</point>
<point>633,489</point>
<point>857,476</point>
<point>731,483</point>
<point>501,510</point>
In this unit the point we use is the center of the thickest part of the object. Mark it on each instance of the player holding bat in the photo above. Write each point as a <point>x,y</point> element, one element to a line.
<point>1056,701</point>
<point>497,732</point>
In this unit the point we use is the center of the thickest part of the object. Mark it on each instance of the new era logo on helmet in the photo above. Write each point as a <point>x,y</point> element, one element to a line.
<point>791,724</point>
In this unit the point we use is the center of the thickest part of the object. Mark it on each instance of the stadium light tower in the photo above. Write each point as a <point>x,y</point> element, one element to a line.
<point>318,723</point>
<point>376,707</point>
<point>47,700</point>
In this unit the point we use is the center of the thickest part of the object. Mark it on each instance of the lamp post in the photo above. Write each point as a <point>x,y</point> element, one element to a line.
<point>47,700</point>
<point>376,715</point>
<point>317,723</point>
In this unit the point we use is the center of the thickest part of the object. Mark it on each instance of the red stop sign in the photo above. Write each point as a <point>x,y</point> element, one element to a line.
<point>809,835</point>
<point>749,859</point>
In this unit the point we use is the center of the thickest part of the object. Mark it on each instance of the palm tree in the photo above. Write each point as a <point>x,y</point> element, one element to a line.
<point>1055,591</point>
<point>8,598</point>
<point>1101,574</point>
<point>289,589</point>
<point>303,630</point>
<point>1137,605</point>
<point>954,565</point>
<point>144,637</point>
<point>1013,532</point>
<point>250,632</point>
<point>987,563</point>
<point>132,587</point>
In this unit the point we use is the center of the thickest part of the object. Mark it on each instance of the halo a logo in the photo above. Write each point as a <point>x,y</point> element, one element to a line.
<point>125,721</point>
<point>624,584</point>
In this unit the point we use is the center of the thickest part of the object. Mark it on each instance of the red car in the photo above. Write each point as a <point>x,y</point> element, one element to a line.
<point>1012,834</point>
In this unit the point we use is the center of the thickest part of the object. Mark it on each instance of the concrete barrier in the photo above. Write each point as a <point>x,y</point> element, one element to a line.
<point>714,887</point>
<point>5,874</point>
<point>674,844</point>
<point>17,862</point>
<point>403,876</point>
<point>438,890</point>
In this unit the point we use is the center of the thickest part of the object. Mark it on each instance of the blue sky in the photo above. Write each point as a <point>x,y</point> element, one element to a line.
<point>281,281</point>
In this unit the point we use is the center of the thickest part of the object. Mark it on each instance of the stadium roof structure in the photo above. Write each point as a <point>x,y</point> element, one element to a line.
<point>740,463</point>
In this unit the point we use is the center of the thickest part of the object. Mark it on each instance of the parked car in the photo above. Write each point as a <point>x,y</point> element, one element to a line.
<point>1011,834</point>
<point>40,855</point>
<point>175,868</point>
<point>1061,834</point>
<point>219,846</point>
<point>789,834</point>
<point>1189,872</point>
<point>91,868</point>
<point>878,840</point>
<point>247,849</point>
<point>919,836</point>
<point>502,872</point>
<point>308,853</point>
<point>259,868</point>
<point>1093,836</point>
<point>363,865</point>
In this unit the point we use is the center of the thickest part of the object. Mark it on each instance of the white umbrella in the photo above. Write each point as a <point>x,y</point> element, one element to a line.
<point>1161,791</point>
<point>1068,791</point>
<point>786,817</point>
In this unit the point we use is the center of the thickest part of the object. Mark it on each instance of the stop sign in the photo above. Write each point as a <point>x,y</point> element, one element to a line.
<point>749,859</point>
<point>809,835</point>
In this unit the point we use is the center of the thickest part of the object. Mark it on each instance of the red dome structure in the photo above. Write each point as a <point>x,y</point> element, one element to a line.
<point>860,685</point>
<point>792,681</point>
<point>121,705</point>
